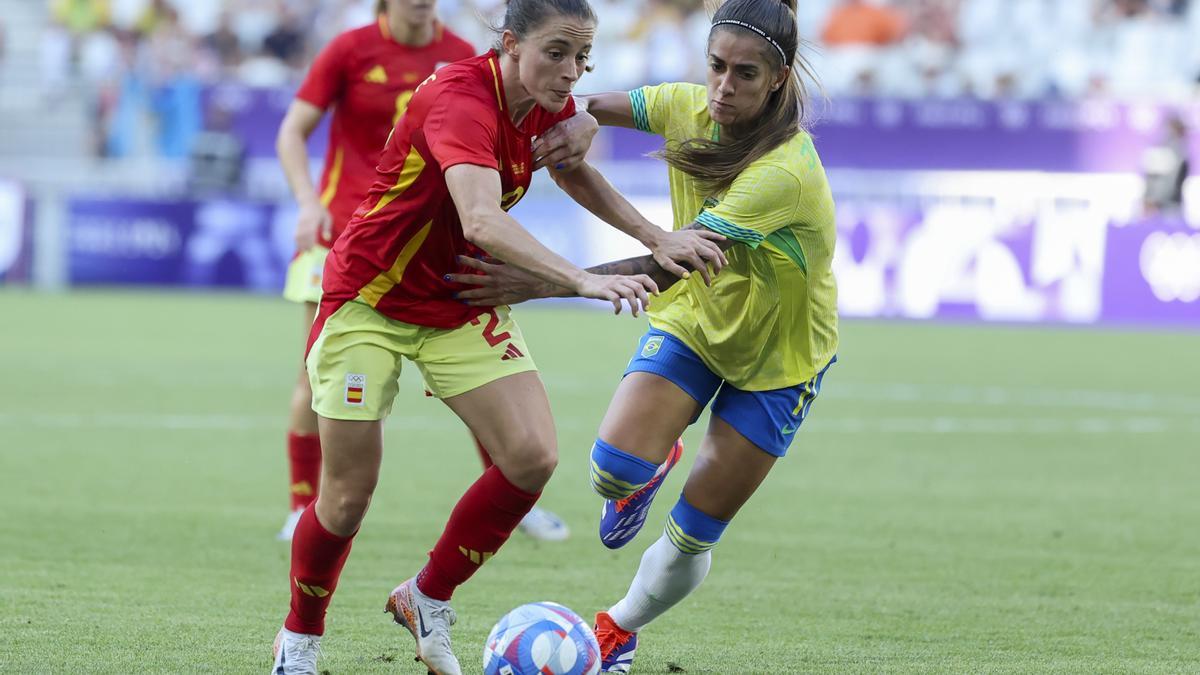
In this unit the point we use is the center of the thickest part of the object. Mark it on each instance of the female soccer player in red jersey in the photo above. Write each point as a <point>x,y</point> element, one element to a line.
<point>455,162</point>
<point>367,76</point>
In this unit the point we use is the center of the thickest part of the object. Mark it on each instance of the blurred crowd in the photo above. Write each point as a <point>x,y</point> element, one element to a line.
<point>135,56</point>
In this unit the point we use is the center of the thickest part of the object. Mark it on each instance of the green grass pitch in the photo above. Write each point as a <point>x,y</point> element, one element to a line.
<point>963,499</point>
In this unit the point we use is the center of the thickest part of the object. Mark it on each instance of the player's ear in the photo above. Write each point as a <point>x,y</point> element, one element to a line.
<point>781,78</point>
<point>511,44</point>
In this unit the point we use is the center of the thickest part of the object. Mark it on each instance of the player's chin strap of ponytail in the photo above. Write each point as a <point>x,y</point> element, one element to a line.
<point>761,33</point>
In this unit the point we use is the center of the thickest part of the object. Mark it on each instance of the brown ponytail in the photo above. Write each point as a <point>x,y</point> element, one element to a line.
<point>715,164</point>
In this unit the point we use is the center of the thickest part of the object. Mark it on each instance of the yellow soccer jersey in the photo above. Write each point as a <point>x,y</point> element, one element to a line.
<point>770,318</point>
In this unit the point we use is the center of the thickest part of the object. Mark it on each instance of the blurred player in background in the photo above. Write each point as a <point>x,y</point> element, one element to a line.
<point>454,164</point>
<point>1165,168</point>
<point>367,76</point>
<point>759,339</point>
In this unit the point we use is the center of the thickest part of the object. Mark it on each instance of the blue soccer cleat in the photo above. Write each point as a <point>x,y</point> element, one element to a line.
<point>617,645</point>
<point>620,521</point>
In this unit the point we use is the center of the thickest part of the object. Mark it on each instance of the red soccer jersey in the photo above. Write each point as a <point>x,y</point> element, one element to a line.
<point>369,78</point>
<point>405,236</point>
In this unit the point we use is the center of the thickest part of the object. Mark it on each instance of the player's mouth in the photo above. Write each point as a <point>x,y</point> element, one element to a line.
<point>720,107</point>
<point>561,93</point>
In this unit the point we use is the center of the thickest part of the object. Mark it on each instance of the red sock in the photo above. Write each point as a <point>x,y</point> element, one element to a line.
<point>483,454</point>
<point>485,515</point>
<point>304,460</point>
<point>317,559</point>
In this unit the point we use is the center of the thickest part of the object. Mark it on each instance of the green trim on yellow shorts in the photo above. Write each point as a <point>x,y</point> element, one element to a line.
<point>304,275</point>
<point>354,364</point>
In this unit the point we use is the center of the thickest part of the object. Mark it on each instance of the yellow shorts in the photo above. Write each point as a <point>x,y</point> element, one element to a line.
<point>304,276</point>
<point>354,364</point>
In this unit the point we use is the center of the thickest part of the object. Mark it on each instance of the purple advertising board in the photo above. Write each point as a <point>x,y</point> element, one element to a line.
<point>212,243</point>
<point>1063,252</point>
<point>1152,274</point>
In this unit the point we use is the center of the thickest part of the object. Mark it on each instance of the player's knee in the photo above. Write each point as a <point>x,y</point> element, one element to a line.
<point>691,530</point>
<point>342,513</point>
<point>616,474</point>
<point>535,457</point>
<point>541,468</point>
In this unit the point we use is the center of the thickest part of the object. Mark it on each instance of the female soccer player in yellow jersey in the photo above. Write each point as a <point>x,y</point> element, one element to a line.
<point>759,338</point>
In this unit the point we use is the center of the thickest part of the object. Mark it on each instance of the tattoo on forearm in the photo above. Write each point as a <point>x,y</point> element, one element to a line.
<point>640,265</point>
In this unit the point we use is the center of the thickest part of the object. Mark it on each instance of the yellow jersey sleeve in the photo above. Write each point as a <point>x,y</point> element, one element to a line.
<point>661,108</point>
<point>764,198</point>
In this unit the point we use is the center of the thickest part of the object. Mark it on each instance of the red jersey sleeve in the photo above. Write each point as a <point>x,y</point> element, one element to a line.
<point>327,77</point>
<point>462,129</point>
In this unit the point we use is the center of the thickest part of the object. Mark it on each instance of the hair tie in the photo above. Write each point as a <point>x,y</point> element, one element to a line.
<point>762,33</point>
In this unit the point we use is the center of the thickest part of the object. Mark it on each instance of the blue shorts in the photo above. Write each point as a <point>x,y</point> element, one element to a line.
<point>768,419</point>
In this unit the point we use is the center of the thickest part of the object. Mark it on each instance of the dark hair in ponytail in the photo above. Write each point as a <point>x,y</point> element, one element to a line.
<point>381,7</point>
<point>522,17</point>
<point>715,164</point>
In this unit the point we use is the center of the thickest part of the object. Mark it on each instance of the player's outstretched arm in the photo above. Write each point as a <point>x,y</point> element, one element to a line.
<point>502,284</point>
<point>611,108</point>
<point>696,248</point>
<point>476,194</point>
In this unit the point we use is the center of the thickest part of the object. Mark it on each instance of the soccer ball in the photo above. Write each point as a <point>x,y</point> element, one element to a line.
<point>541,638</point>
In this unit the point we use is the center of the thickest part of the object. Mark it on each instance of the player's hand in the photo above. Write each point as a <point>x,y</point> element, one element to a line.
<point>634,290</point>
<point>697,248</point>
<point>313,218</point>
<point>499,284</point>
<point>565,144</point>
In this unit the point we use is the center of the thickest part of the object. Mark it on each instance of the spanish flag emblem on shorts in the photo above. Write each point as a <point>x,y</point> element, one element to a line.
<point>355,383</point>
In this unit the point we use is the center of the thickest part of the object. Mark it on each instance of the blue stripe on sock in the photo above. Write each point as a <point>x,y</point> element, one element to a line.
<point>691,530</point>
<point>616,474</point>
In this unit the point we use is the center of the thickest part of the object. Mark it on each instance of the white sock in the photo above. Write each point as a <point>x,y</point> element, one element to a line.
<point>665,577</point>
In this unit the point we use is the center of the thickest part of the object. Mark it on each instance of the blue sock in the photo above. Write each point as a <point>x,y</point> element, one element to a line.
<point>692,531</point>
<point>616,474</point>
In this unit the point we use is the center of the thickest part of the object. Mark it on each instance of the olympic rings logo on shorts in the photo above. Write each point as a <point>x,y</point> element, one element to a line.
<point>355,384</point>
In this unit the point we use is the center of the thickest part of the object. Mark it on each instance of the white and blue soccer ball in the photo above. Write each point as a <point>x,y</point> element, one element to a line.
<point>541,638</point>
